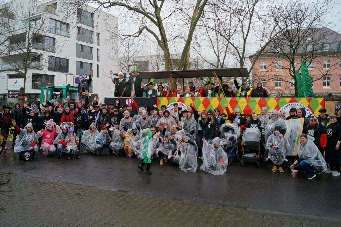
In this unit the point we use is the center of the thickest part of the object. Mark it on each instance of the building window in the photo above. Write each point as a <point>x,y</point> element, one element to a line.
<point>325,47</point>
<point>309,47</point>
<point>97,70</point>
<point>98,39</point>
<point>326,82</point>
<point>84,35</point>
<point>295,66</point>
<point>278,82</point>
<point>58,64</point>
<point>39,80</point>
<point>81,65</point>
<point>59,27</point>
<point>262,66</point>
<point>277,48</point>
<point>85,17</point>
<point>278,65</point>
<point>326,64</point>
<point>310,64</point>
<point>81,48</point>
<point>292,83</point>
<point>98,59</point>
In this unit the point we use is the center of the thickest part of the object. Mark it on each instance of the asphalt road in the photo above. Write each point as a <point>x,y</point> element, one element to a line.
<point>248,187</point>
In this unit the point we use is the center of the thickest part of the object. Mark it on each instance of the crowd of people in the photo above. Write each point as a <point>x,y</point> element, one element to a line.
<point>178,135</point>
<point>133,86</point>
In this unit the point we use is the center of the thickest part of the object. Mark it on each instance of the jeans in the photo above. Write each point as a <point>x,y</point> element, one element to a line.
<point>309,169</point>
<point>18,149</point>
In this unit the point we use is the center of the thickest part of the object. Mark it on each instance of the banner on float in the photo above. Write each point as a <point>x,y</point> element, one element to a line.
<point>246,105</point>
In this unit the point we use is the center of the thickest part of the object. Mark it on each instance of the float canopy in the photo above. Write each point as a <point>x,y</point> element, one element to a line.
<point>196,73</point>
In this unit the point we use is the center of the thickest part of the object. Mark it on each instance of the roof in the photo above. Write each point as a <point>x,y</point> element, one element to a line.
<point>196,73</point>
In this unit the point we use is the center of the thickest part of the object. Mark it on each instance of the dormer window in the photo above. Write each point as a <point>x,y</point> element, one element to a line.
<point>325,47</point>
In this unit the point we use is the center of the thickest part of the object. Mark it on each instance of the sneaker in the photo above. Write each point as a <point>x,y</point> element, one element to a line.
<point>274,169</point>
<point>280,169</point>
<point>311,176</point>
<point>140,167</point>
<point>328,171</point>
<point>335,173</point>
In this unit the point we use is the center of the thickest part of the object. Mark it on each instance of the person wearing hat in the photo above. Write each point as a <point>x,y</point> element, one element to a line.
<point>317,133</point>
<point>103,119</point>
<point>259,91</point>
<point>242,91</point>
<point>275,146</point>
<point>292,114</point>
<point>160,91</point>
<point>333,146</point>
<point>227,88</point>
<point>210,127</point>
<point>136,84</point>
<point>47,137</point>
<point>5,124</point>
<point>209,91</point>
<point>214,158</point>
<point>122,86</point>
<point>149,91</point>
<point>323,117</point>
<point>83,87</point>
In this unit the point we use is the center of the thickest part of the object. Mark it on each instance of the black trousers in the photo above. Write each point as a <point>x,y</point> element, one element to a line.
<point>333,159</point>
<point>148,165</point>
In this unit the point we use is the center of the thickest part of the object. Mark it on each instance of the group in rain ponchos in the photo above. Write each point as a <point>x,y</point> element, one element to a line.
<point>214,157</point>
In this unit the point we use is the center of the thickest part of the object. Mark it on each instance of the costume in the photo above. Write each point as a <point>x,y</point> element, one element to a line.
<point>146,149</point>
<point>189,151</point>
<point>294,130</point>
<point>47,136</point>
<point>102,142</point>
<point>25,139</point>
<point>66,141</point>
<point>116,142</point>
<point>276,154</point>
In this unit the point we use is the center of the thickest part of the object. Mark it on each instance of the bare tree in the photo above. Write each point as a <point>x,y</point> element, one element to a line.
<point>155,15</point>
<point>300,33</point>
<point>21,33</point>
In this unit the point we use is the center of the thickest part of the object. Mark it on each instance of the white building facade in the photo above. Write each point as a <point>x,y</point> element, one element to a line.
<point>64,42</point>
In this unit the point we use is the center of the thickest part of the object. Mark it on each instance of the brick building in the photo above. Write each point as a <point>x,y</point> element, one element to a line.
<point>320,47</point>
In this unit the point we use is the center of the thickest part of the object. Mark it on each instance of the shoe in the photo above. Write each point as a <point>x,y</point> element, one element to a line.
<point>140,167</point>
<point>274,169</point>
<point>280,169</point>
<point>335,173</point>
<point>161,162</point>
<point>311,176</point>
<point>328,171</point>
<point>77,156</point>
<point>148,172</point>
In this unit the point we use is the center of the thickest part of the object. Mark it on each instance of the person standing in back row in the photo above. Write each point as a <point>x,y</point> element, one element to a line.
<point>242,91</point>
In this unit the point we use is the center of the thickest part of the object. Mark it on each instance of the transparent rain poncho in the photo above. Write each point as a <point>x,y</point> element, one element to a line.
<point>188,159</point>
<point>153,119</point>
<point>89,140</point>
<point>135,144</point>
<point>117,141</point>
<point>276,155</point>
<point>272,123</point>
<point>143,123</point>
<point>291,137</point>
<point>230,134</point>
<point>312,155</point>
<point>189,126</point>
<point>215,160</point>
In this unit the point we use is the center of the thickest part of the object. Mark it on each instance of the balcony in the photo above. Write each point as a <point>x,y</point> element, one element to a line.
<point>16,47</point>
<point>43,8</point>
<point>16,67</point>
<point>43,47</point>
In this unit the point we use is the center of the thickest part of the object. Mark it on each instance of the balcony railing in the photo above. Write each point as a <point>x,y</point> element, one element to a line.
<point>41,46</point>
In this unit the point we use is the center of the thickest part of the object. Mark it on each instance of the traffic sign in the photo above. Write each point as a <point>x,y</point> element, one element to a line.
<point>13,94</point>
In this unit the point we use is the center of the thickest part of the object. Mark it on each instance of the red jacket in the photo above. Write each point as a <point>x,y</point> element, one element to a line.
<point>67,118</point>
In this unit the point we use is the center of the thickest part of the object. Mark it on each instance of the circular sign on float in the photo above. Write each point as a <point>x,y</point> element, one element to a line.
<point>286,108</point>
<point>172,110</point>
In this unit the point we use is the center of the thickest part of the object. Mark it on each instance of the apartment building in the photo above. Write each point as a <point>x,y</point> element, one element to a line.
<point>321,49</point>
<point>62,41</point>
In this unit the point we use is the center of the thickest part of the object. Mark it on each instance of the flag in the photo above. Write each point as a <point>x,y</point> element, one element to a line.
<point>307,88</point>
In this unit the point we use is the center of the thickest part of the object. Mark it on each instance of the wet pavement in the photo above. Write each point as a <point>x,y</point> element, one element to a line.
<point>246,190</point>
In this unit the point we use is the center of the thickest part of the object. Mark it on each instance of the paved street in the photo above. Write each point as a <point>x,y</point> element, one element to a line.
<point>111,191</point>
